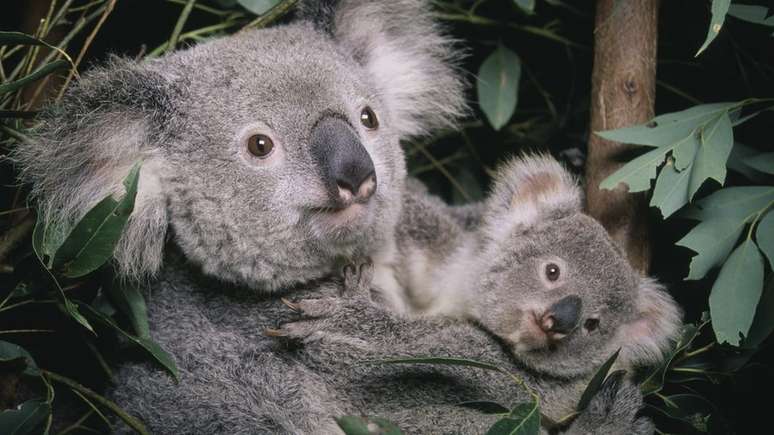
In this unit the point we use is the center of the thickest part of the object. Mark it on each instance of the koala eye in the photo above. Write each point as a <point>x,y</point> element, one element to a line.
<point>591,324</point>
<point>368,119</point>
<point>552,272</point>
<point>260,145</point>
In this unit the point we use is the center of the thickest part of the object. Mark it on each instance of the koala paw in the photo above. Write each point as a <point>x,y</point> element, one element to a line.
<point>613,410</point>
<point>358,277</point>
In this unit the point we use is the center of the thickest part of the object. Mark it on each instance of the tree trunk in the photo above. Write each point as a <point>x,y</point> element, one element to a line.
<point>623,88</point>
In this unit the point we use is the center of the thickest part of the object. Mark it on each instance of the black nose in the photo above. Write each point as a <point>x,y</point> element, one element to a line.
<point>562,317</point>
<point>345,166</point>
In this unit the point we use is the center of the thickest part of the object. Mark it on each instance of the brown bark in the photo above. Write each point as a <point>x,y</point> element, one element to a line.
<point>623,88</point>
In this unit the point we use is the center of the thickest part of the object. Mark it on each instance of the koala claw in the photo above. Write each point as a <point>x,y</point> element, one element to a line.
<point>292,305</point>
<point>358,278</point>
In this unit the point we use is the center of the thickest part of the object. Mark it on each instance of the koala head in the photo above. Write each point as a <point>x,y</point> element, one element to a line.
<point>555,287</point>
<point>270,154</point>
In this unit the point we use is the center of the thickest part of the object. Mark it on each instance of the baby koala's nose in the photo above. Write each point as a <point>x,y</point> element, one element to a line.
<point>351,189</point>
<point>561,317</point>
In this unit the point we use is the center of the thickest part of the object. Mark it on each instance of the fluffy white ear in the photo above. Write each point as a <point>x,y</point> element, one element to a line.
<point>410,60</point>
<point>84,146</point>
<point>528,190</point>
<point>657,324</point>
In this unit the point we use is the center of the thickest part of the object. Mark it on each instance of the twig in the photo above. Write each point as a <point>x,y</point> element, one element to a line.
<point>271,15</point>
<point>89,40</point>
<point>179,25</point>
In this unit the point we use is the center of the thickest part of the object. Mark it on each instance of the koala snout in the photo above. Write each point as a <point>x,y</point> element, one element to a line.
<point>562,317</point>
<point>344,164</point>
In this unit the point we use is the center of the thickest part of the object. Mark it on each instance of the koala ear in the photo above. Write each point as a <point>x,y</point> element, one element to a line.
<point>656,325</point>
<point>409,59</point>
<point>529,190</point>
<point>84,146</point>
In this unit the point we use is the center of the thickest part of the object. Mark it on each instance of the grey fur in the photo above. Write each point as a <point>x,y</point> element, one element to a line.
<point>245,228</point>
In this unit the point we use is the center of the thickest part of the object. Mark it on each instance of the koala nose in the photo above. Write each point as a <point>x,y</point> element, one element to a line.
<point>562,317</point>
<point>346,168</point>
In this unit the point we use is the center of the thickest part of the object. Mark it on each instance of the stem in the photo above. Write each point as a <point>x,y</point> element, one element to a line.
<point>271,15</point>
<point>87,392</point>
<point>179,25</point>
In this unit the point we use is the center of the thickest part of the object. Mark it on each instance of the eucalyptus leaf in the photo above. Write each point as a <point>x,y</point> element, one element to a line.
<point>764,236</point>
<point>357,425</point>
<point>485,407</point>
<point>734,202</point>
<point>46,240</point>
<point>129,300</point>
<point>498,86</point>
<point>92,241</point>
<point>11,351</point>
<point>737,161</point>
<point>752,13</point>
<point>26,419</point>
<point>524,419</point>
<point>258,7</point>
<point>671,191</point>
<point>595,384</point>
<point>685,152</point>
<point>719,10</point>
<point>763,323</point>
<point>655,380</point>
<point>33,76</point>
<point>763,162</point>
<point>159,354</point>
<point>669,129</point>
<point>736,292</point>
<point>712,240</point>
<point>638,173</point>
<point>716,141</point>
<point>526,5</point>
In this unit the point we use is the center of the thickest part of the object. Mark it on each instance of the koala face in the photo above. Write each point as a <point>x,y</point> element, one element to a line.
<point>271,154</point>
<point>556,289</point>
<point>300,166</point>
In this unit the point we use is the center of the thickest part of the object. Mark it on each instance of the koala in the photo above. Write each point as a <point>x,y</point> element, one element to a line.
<point>540,277</point>
<point>532,268</point>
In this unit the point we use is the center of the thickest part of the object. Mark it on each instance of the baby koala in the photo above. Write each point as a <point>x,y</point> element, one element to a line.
<point>534,270</point>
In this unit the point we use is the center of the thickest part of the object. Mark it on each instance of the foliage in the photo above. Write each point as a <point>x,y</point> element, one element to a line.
<point>704,166</point>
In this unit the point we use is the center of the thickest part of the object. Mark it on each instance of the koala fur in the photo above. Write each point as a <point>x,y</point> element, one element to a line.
<point>491,271</point>
<point>218,236</point>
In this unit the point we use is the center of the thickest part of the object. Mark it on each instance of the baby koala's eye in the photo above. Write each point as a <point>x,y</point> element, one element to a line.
<point>368,119</point>
<point>260,145</point>
<point>552,272</point>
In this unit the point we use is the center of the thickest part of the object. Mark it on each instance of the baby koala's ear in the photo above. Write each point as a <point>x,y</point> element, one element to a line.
<point>529,190</point>
<point>655,327</point>
<point>410,61</point>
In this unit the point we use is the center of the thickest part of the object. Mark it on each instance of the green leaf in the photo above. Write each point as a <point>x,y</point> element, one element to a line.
<point>719,10</point>
<point>161,356</point>
<point>740,154</point>
<point>671,191</point>
<point>440,361</point>
<point>669,128</point>
<point>485,407</point>
<point>258,7</point>
<point>596,382</point>
<point>685,152</point>
<point>356,425</point>
<point>10,351</point>
<point>35,75</point>
<point>688,408</point>
<point>712,240</point>
<point>92,241</point>
<point>736,293</point>
<point>763,162</point>
<point>764,235</point>
<point>526,5</point>
<point>26,419</point>
<point>716,141</point>
<point>734,202</point>
<point>524,419</point>
<point>637,173</point>
<point>129,300</point>
<point>751,13</point>
<point>763,324</point>
<point>655,380</point>
<point>498,86</point>
<point>46,240</point>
